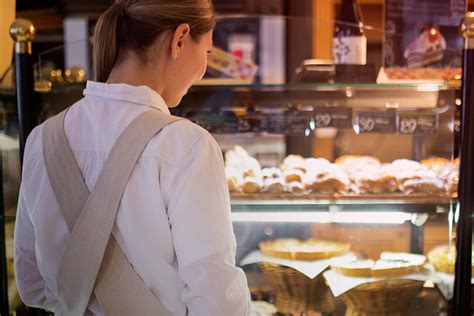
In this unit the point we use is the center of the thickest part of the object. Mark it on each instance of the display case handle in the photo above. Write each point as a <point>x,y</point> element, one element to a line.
<point>462,279</point>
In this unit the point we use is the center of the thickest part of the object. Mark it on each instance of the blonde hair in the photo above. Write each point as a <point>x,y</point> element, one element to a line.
<point>135,24</point>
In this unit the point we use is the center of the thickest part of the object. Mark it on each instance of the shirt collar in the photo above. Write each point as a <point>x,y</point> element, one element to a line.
<point>141,95</point>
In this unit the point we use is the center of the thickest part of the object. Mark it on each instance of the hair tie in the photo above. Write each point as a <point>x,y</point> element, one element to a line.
<point>118,10</point>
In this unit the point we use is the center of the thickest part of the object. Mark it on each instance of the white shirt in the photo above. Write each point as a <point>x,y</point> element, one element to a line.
<point>173,223</point>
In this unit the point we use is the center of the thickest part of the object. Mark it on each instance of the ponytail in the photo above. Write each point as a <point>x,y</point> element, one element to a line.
<point>134,25</point>
<point>105,44</point>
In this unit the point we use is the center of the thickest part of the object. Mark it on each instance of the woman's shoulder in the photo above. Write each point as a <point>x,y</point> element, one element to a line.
<point>180,138</point>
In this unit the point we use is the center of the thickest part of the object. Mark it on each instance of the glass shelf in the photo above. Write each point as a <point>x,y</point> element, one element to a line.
<point>266,203</point>
<point>406,87</point>
<point>421,87</point>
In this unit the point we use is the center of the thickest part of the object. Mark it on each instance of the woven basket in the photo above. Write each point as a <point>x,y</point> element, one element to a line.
<point>295,292</point>
<point>388,298</point>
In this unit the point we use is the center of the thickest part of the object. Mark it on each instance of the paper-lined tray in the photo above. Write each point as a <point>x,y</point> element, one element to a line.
<point>309,268</point>
<point>340,284</point>
<point>445,284</point>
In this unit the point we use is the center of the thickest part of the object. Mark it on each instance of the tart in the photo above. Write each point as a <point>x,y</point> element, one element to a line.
<point>303,250</point>
<point>443,258</point>
<point>391,264</point>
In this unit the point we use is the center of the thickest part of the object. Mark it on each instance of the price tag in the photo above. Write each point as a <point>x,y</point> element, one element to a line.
<point>287,123</point>
<point>251,123</point>
<point>333,117</point>
<point>416,123</point>
<point>377,122</point>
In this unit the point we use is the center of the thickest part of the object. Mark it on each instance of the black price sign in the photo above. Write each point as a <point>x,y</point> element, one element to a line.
<point>214,122</point>
<point>287,123</point>
<point>298,123</point>
<point>274,123</point>
<point>251,123</point>
<point>412,123</point>
<point>333,117</point>
<point>377,122</point>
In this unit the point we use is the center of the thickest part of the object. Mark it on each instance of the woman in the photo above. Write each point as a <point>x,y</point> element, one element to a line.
<point>172,221</point>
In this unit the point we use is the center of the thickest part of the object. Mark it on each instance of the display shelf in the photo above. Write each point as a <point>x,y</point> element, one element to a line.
<point>339,198</point>
<point>407,87</point>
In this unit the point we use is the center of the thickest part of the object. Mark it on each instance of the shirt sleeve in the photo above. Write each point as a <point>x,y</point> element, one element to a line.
<point>204,241</point>
<point>30,283</point>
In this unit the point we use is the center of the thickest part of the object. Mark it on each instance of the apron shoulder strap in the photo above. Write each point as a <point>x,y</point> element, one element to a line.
<point>92,260</point>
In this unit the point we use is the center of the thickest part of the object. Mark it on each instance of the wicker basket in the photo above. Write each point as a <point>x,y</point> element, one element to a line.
<point>295,292</point>
<point>388,298</point>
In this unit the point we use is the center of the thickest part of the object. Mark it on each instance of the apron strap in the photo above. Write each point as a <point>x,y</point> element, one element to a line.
<point>92,260</point>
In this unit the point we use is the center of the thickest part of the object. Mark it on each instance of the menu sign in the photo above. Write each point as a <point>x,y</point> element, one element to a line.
<point>333,117</point>
<point>412,123</point>
<point>377,122</point>
<point>421,38</point>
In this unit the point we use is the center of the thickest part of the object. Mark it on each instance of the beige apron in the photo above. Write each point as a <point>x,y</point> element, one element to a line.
<point>93,262</point>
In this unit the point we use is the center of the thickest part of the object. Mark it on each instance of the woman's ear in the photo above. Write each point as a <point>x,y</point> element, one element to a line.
<point>180,36</point>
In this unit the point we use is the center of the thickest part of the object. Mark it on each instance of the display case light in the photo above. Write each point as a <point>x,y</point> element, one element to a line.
<point>428,87</point>
<point>323,217</point>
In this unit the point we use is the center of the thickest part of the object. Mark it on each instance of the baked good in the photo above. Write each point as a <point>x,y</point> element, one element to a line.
<point>314,165</point>
<point>293,162</point>
<point>252,185</point>
<point>357,159</point>
<point>427,49</point>
<point>262,308</point>
<point>234,179</point>
<point>239,159</point>
<point>436,163</point>
<point>390,264</point>
<point>376,181</point>
<point>452,182</point>
<point>291,175</point>
<point>272,185</point>
<point>357,268</point>
<point>443,258</point>
<point>310,249</point>
<point>427,185</point>
<point>272,173</point>
<point>295,187</point>
<point>327,180</point>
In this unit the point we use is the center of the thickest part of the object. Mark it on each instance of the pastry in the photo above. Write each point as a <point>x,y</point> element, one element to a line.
<point>291,175</point>
<point>272,185</point>
<point>390,264</point>
<point>314,165</point>
<point>376,181</point>
<point>327,180</point>
<point>295,187</point>
<point>293,162</point>
<point>262,308</point>
<point>357,268</point>
<point>252,185</point>
<point>428,185</point>
<point>272,173</point>
<point>357,159</point>
<point>427,49</point>
<point>303,250</point>
<point>443,258</point>
<point>239,159</point>
<point>234,179</point>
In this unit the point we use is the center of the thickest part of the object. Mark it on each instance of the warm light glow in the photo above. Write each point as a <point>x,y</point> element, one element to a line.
<point>428,87</point>
<point>433,31</point>
<point>323,217</point>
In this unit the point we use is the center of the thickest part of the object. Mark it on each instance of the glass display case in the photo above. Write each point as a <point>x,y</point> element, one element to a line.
<point>389,124</point>
<point>343,194</point>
